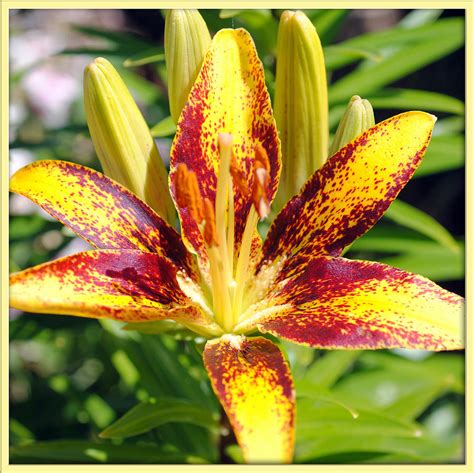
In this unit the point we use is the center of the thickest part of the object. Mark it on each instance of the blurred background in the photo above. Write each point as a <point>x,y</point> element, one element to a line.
<point>70,378</point>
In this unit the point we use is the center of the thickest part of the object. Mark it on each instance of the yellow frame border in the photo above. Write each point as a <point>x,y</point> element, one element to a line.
<point>466,5</point>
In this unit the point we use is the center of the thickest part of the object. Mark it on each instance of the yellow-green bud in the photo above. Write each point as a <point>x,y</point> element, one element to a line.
<point>122,139</point>
<point>301,102</point>
<point>358,117</point>
<point>186,42</point>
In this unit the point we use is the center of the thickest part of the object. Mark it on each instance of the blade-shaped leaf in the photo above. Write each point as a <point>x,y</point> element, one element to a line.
<point>411,217</point>
<point>434,262</point>
<point>78,451</point>
<point>403,62</point>
<point>326,370</point>
<point>148,56</point>
<point>165,127</point>
<point>411,99</point>
<point>148,415</point>
<point>444,153</point>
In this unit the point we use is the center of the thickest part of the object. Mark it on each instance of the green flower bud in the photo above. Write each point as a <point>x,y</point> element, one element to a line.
<point>122,139</point>
<point>358,117</point>
<point>186,42</point>
<point>301,102</point>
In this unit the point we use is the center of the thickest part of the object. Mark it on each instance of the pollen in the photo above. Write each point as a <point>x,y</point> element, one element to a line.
<point>210,234</point>
<point>188,194</point>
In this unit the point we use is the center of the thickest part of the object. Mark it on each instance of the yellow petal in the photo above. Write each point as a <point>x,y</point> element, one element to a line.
<point>338,303</point>
<point>228,97</point>
<point>99,210</point>
<point>346,197</point>
<point>125,285</point>
<point>253,382</point>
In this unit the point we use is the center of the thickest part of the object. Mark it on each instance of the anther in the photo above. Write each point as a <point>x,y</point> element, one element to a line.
<point>188,194</point>
<point>261,168</point>
<point>210,234</point>
<point>238,175</point>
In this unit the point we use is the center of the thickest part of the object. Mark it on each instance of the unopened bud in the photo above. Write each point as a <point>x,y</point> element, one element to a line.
<point>186,42</point>
<point>122,139</point>
<point>301,102</point>
<point>358,117</point>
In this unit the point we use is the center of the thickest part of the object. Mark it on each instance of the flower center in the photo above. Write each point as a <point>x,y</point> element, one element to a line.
<point>229,271</point>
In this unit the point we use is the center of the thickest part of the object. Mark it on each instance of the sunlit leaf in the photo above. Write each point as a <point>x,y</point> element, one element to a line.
<point>411,217</point>
<point>148,56</point>
<point>165,127</point>
<point>148,415</point>
<point>444,153</point>
<point>433,262</point>
<point>78,451</point>
<point>405,61</point>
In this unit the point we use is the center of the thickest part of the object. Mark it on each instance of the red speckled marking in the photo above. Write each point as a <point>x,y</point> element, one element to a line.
<point>125,285</point>
<point>347,196</point>
<point>254,385</point>
<point>230,96</point>
<point>338,303</point>
<point>99,209</point>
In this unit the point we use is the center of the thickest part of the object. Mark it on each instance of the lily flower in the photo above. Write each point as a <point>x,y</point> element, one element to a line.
<point>219,279</point>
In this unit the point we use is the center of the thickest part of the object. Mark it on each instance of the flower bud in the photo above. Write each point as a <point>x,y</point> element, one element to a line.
<point>186,42</point>
<point>301,102</point>
<point>122,139</point>
<point>358,117</point>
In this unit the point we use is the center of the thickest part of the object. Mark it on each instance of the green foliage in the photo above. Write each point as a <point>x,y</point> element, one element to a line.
<point>84,392</point>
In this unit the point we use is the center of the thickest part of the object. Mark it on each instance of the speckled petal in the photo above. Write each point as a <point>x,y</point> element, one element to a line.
<point>347,196</point>
<point>229,96</point>
<point>99,209</point>
<point>253,383</point>
<point>338,303</point>
<point>125,285</point>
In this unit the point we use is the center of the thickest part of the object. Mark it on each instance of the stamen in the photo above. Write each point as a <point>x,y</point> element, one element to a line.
<point>195,202</point>
<point>238,175</point>
<point>188,194</point>
<point>261,181</point>
<point>180,185</point>
<point>261,157</point>
<point>210,234</point>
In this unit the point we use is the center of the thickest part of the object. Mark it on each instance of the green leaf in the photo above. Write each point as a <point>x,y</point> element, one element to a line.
<point>400,36</point>
<point>387,378</point>
<point>337,56</point>
<point>163,128</point>
<point>415,403</point>
<point>405,214</point>
<point>433,262</point>
<point>444,153</point>
<point>78,451</point>
<point>328,23</point>
<point>100,412</point>
<point>408,59</point>
<point>411,99</point>
<point>325,419</point>
<point>25,226</point>
<point>149,415</point>
<point>92,51</point>
<point>419,17</point>
<point>157,326</point>
<point>126,41</point>
<point>327,369</point>
<point>449,126</point>
<point>148,56</point>
<point>423,450</point>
